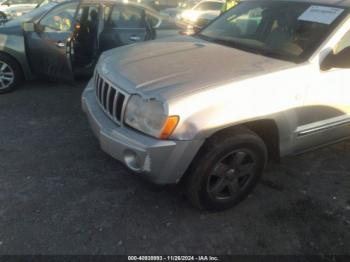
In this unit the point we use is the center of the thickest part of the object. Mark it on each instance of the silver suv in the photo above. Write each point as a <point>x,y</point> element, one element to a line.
<point>265,80</point>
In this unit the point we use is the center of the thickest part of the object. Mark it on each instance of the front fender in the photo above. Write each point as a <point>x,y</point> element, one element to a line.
<point>13,44</point>
<point>268,97</point>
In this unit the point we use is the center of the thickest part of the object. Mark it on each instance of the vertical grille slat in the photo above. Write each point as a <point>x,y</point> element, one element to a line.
<point>107,97</point>
<point>115,105</point>
<point>119,108</point>
<point>110,98</point>
<point>100,85</point>
<point>104,95</point>
<point>97,79</point>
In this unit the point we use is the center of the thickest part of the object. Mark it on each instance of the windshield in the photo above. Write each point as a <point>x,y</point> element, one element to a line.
<point>286,30</point>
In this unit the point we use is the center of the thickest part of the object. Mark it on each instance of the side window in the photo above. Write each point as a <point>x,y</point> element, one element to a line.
<point>153,20</point>
<point>344,42</point>
<point>60,19</point>
<point>88,15</point>
<point>126,16</point>
<point>106,12</point>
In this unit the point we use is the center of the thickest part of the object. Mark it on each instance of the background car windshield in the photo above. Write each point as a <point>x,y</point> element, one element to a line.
<point>208,6</point>
<point>43,2</point>
<point>34,14</point>
<point>276,29</point>
<point>21,2</point>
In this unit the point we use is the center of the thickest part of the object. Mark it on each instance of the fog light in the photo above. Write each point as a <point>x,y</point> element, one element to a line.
<point>132,160</point>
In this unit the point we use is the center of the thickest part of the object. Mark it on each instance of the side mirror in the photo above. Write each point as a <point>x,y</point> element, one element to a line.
<point>339,60</point>
<point>32,27</point>
<point>28,27</point>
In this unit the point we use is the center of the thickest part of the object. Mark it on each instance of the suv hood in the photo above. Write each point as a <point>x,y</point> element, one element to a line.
<point>175,66</point>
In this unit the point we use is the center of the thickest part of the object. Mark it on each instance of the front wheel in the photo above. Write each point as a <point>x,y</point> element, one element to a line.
<point>10,73</point>
<point>226,171</point>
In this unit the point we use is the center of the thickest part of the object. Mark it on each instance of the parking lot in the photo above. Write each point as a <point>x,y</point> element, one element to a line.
<point>60,194</point>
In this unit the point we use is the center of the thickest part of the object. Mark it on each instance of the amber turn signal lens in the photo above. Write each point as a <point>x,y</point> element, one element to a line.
<point>170,125</point>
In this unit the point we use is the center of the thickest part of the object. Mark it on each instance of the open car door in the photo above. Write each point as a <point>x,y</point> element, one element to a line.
<point>48,43</point>
<point>123,24</point>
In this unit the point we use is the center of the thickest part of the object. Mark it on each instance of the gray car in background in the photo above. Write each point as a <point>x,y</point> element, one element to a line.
<point>265,80</point>
<point>63,39</point>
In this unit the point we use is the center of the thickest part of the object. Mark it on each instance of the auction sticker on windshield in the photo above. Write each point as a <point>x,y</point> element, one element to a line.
<point>321,14</point>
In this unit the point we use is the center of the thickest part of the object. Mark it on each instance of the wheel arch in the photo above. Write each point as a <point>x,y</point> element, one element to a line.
<point>253,135</point>
<point>266,129</point>
<point>3,53</point>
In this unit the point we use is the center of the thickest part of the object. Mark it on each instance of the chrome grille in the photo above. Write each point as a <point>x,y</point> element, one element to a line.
<point>110,98</point>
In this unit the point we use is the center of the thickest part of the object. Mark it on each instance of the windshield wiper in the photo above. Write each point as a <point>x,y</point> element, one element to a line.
<point>259,51</point>
<point>277,55</point>
<point>204,37</point>
<point>237,45</point>
<point>228,43</point>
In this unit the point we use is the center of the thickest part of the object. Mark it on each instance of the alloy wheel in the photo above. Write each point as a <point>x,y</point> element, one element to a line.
<point>231,175</point>
<point>7,75</point>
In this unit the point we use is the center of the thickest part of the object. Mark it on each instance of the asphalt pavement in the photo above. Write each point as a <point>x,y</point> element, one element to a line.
<point>60,194</point>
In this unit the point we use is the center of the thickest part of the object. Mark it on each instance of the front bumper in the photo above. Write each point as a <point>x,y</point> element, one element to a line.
<point>160,161</point>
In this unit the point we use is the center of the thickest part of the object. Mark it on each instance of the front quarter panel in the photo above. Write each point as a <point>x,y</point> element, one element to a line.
<point>12,43</point>
<point>277,96</point>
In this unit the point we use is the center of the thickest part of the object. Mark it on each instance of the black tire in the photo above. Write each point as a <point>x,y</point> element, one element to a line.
<point>12,66</point>
<point>217,165</point>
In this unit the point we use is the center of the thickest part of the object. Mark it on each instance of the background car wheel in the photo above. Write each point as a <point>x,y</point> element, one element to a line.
<point>10,74</point>
<point>226,170</point>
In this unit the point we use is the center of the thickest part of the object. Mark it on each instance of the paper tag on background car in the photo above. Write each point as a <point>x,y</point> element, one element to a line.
<point>321,14</point>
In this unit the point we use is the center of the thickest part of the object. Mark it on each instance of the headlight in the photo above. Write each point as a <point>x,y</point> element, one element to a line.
<point>149,117</point>
<point>190,15</point>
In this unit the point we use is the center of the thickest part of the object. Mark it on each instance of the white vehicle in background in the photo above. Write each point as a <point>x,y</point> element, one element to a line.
<point>210,8</point>
<point>175,12</point>
<point>10,9</point>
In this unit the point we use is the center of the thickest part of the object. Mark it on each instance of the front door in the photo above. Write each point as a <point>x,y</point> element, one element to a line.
<point>123,24</point>
<point>328,103</point>
<point>48,46</point>
<point>85,39</point>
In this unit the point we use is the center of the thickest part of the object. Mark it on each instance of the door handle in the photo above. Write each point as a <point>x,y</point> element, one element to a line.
<point>60,44</point>
<point>134,38</point>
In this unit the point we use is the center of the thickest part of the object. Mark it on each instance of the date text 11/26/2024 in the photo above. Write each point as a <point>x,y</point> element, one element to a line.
<point>173,258</point>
